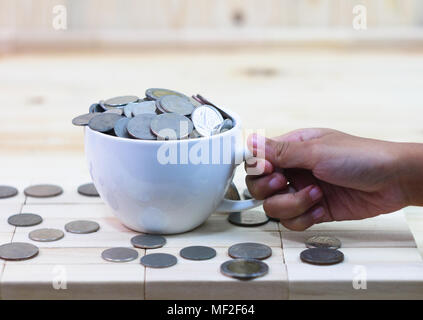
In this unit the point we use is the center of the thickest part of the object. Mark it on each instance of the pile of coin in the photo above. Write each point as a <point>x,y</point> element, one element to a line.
<point>162,115</point>
<point>322,250</point>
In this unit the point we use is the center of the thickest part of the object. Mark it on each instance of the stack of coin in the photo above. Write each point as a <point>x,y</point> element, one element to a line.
<point>162,115</point>
<point>322,250</point>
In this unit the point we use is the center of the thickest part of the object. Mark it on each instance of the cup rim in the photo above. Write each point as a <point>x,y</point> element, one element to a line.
<point>233,115</point>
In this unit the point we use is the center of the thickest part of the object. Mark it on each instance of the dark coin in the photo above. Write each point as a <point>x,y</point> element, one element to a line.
<point>121,128</point>
<point>156,93</point>
<point>321,241</point>
<point>158,260</point>
<point>171,126</point>
<point>322,256</point>
<point>43,191</point>
<point>46,235</point>
<point>198,253</point>
<point>24,220</point>
<point>139,127</point>
<point>143,107</point>
<point>232,193</point>
<point>244,268</point>
<point>83,120</point>
<point>18,251</point>
<point>119,101</point>
<point>119,254</point>
<point>7,192</point>
<point>95,107</point>
<point>176,104</point>
<point>104,122</point>
<point>250,218</point>
<point>82,226</point>
<point>247,194</point>
<point>88,190</point>
<point>250,250</point>
<point>148,241</point>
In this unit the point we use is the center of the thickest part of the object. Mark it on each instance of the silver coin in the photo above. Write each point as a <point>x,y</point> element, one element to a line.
<point>83,120</point>
<point>18,251</point>
<point>88,190</point>
<point>7,192</point>
<point>156,93</point>
<point>171,126</point>
<point>148,241</point>
<point>244,269</point>
<point>119,254</point>
<point>82,226</point>
<point>119,101</point>
<point>127,110</point>
<point>194,134</point>
<point>321,241</point>
<point>198,253</point>
<point>247,194</point>
<point>158,260</point>
<point>195,102</point>
<point>250,250</point>
<point>43,191</point>
<point>95,107</point>
<point>205,119</point>
<point>143,107</point>
<point>139,126</point>
<point>115,110</point>
<point>226,125</point>
<point>46,235</point>
<point>250,218</point>
<point>176,104</point>
<point>24,220</point>
<point>121,128</point>
<point>322,256</point>
<point>207,102</point>
<point>104,122</point>
<point>232,193</point>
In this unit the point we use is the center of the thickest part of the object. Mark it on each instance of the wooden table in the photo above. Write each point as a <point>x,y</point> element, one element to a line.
<point>374,94</point>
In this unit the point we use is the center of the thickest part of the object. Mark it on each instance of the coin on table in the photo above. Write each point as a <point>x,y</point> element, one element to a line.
<point>156,93</point>
<point>120,101</point>
<point>205,119</point>
<point>83,120</point>
<point>82,226</point>
<point>95,107</point>
<point>43,191</point>
<point>198,253</point>
<point>18,251</point>
<point>250,250</point>
<point>46,235</point>
<point>148,241</point>
<point>158,260</point>
<point>139,127</point>
<point>321,241</point>
<point>232,193</point>
<point>118,111</point>
<point>121,128</point>
<point>244,268</point>
<point>171,126</point>
<point>7,192</point>
<point>24,220</point>
<point>176,104</point>
<point>250,218</point>
<point>143,107</point>
<point>104,122</point>
<point>88,190</point>
<point>322,256</point>
<point>119,254</point>
<point>247,194</point>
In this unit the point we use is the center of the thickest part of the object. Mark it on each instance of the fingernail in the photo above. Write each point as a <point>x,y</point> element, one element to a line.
<point>315,193</point>
<point>275,183</point>
<point>317,213</point>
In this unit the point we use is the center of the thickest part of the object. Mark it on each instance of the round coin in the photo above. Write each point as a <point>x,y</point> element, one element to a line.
<point>24,220</point>
<point>148,241</point>
<point>143,107</point>
<point>321,241</point>
<point>139,127</point>
<point>46,235</point>
<point>18,251</point>
<point>95,107</point>
<point>83,120</point>
<point>198,253</point>
<point>119,101</point>
<point>244,268</point>
<point>158,260</point>
<point>119,254</point>
<point>156,93</point>
<point>322,256</point>
<point>250,250</point>
<point>171,126</point>
<point>115,110</point>
<point>88,190</point>
<point>104,122</point>
<point>250,218</point>
<point>82,226</point>
<point>176,104</point>
<point>121,128</point>
<point>7,192</point>
<point>43,191</point>
<point>232,193</point>
<point>205,119</point>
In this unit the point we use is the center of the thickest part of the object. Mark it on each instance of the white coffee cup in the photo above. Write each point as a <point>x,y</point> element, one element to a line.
<point>149,195</point>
